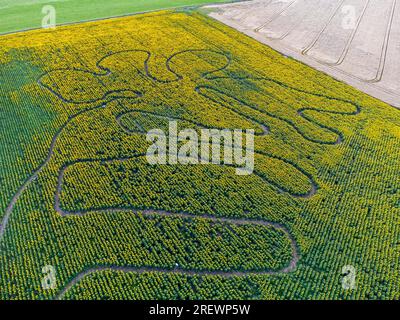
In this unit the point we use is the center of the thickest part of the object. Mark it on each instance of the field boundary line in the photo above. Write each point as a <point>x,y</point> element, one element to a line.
<point>171,9</point>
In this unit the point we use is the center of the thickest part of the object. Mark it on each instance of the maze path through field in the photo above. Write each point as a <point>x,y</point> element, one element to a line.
<point>120,94</point>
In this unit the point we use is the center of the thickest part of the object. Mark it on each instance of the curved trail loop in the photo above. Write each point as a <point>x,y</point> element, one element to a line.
<point>57,206</point>
<point>288,269</point>
<point>112,95</point>
<point>300,111</point>
<point>265,130</point>
<point>17,195</point>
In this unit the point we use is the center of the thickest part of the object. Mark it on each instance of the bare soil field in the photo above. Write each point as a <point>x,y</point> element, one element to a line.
<point>355,41</point>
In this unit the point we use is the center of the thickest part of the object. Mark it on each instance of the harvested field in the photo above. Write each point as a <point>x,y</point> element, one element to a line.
<point>356,41</point>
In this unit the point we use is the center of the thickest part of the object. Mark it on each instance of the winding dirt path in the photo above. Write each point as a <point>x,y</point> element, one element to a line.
<point>140,270</point>
<point>34,175</point>
<point>202,90</point>
<point>119,94</point>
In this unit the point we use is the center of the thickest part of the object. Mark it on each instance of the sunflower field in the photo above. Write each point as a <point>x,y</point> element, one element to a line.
<point>77,193</point>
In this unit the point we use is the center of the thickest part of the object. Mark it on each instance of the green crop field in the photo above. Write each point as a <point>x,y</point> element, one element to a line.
<point>78,196</point>
<point>27,14</point>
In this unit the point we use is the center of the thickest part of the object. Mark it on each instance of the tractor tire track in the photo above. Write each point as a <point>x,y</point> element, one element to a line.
<point>348,43</point>
<point>275,16</point>
<point>39,169</point>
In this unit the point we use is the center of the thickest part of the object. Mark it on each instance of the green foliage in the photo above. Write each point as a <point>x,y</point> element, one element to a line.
<point>323,195</point>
